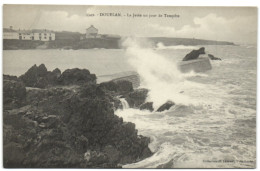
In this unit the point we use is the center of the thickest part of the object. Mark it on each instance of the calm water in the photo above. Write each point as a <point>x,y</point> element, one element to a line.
<point>98,61</point>
<point>216,129</point>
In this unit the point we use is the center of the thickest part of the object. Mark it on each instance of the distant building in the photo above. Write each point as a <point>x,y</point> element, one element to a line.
<point>9,33</point>
<point>35,34</point>
<point>43,35</point>
<point>92,32</point>
<point>24,35</point>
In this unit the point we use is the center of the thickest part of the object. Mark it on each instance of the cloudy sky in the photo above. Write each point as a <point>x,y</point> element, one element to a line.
<point>236,24</point>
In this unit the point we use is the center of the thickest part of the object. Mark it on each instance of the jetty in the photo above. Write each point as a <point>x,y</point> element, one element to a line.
<point>200,64</point>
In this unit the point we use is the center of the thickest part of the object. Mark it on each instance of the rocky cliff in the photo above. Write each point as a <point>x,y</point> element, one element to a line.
<point>67,123</point>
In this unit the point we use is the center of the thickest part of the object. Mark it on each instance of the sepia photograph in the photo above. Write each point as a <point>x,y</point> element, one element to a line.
<point>103,86</point>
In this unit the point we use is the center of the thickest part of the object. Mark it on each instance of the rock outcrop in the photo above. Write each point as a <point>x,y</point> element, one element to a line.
<point>166,106</point>
<point>14,92</point>
<point>40,77</point>
<point>137,97</point>
<point>194,54</point>
<point>120,87</point>
<point>212,57</point>
<point>147,106</point>
<point>74,127</point>
<point>76,76</point>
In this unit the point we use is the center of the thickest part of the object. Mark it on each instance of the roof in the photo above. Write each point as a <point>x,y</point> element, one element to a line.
<point>41,31</point>
<point>25,31</point>
<point>92,27</point>
<point>9,30</point>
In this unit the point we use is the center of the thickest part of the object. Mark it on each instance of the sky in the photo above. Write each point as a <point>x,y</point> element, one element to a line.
<point>235,24</point>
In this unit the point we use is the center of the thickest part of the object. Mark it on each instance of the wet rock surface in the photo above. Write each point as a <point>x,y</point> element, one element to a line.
<point>194,54</point>
<point>75,127</point>
<point>120,87</point>
<point>212,57</point>
<point>137,97</point>
<point>147,106</point>
<point>166,106</point>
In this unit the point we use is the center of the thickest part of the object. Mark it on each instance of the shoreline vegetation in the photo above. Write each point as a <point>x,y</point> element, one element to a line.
<point>66,120</point>
<point>72,40</point>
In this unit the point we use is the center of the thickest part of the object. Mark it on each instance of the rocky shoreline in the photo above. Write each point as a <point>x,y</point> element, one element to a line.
<point>66,120</point>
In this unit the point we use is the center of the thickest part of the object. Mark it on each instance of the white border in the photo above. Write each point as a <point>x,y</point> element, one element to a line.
<point>135,3</point>
<point>141,2</point>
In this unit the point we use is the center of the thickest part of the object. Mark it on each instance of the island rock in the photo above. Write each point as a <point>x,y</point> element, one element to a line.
<point>194,54</point>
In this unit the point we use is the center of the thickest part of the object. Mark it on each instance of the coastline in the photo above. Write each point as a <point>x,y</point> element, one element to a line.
<point>106,43</point>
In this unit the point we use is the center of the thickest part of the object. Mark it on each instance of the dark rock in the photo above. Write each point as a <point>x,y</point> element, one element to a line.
<point>42,70</point>
<point>212,57</point>
<point>147,106</point>
<point>119,87</point>
<point>52,77</point>
<point>110,86</point>
<point>30,77</point>
<point>14,155</point>
<point>50,121</point>
<point>14,93</point>
<point>129,127</point>
<point>10,77</point>
<point>95,157</point>
<point>42,82</point>
<point>59,125</point>
<point>39,77</point>
<point>57,72</point>
<point>112,153</point>
<point>76,76</point>
<point>137,97</point>
<point>124,86</point>
<point>116,103</point>
<point>194,54</point>
<point>165,106</point>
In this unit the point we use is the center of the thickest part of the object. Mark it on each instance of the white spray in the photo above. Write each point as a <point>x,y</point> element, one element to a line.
<point>124,103</point>
<point>158,74</point>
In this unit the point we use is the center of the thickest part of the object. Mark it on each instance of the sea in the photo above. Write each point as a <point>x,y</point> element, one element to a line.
<point>213,121</point>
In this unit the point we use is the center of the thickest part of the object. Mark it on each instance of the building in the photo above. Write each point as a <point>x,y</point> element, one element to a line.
<point>9,33</point>
<point>35,34</point>
<point>24,34</point>
<point>92,32</point>
<point>43,35</point>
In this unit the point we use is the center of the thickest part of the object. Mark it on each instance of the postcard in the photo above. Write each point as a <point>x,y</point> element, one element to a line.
<point>88,86</point>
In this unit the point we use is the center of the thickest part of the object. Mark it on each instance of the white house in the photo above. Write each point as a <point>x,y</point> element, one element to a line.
<point>24,35</point>
<point>43,35</point>
<point>92,32</point>
<point>9,33</point>
<point>35,34</point>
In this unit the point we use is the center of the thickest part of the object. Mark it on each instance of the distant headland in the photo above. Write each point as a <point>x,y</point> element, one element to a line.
<point>48,39</point>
